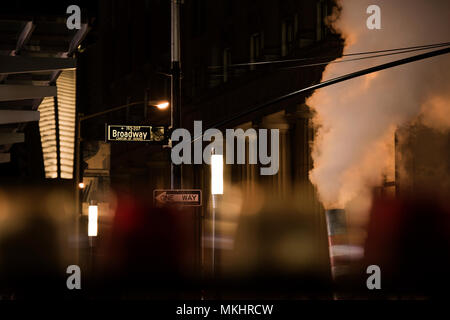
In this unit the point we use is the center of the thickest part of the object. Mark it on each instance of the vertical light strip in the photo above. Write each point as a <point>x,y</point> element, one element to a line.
<point>47,128</point>
<point>93,221</point>
<point>66,89</point>
<point>216,174</point>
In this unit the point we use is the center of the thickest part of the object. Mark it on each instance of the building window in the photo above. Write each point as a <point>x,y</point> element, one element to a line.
<point>199,17</point>
<point>148,30</point>
<point>130,39</point>
<point>197,81</point>
<point>322,13</point>
<point>113,15</point>
<point>287,36</point>
<point>226,64</point>
<point>57,128</point>
<point>215,79</point>
<point>256,45</point>
<point>229,8</point>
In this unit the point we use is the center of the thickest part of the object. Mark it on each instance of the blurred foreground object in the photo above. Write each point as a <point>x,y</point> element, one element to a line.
<point>409,239</point>
<point>35,226</point>
<point>278,253</point>
<point>149,253</point>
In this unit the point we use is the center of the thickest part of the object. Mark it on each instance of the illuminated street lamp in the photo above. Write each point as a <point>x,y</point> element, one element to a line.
<point>161,105</point>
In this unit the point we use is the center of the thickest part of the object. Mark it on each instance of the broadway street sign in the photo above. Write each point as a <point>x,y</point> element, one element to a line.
<point>135,133</point>
<point>177,197</point>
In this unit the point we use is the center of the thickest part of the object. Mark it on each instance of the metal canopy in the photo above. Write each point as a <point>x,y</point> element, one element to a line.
<point>5,157</point>
<point>11,137</point>
<point>33,52</point>
<point>18,64</point>
<point>16,116</point>
<point>10,92</point>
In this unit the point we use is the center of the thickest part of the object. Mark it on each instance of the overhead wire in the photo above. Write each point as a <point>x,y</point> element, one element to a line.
<point>403,49</point>
<point>326,83</point>
<point>359,58</point>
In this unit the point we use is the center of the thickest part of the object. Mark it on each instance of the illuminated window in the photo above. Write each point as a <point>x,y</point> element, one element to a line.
<point>66,86</point>
<point>66,91</point>
<point>47,128</point>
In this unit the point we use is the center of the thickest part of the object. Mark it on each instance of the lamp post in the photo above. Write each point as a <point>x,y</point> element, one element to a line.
<point>216,189</point>
<point>175,179</point>
<point>92,231</point>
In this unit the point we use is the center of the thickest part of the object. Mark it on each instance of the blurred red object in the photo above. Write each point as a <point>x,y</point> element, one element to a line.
<point>149,246</point>
<point>409,239</point>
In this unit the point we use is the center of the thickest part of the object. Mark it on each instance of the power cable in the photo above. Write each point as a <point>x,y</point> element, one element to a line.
<point>434,45</point>
<point>356,59</point>
<point>329,82</point>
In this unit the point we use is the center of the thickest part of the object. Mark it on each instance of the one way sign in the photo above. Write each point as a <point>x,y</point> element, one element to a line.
<point>177,197</point>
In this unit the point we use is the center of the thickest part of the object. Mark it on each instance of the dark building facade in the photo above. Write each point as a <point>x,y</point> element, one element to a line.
<point>131,59</point>
<point>422,161</point>
<point>225,49</point>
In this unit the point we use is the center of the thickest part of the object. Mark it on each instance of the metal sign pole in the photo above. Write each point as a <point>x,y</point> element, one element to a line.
<point>213,240</point>
<point>175,181</point>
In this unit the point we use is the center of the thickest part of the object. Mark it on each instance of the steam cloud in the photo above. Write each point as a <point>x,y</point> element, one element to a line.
<point>356,119</point>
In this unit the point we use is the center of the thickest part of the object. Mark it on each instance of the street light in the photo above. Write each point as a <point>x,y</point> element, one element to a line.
<point>162,105</point>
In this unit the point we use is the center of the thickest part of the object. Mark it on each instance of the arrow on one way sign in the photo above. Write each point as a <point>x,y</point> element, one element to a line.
<point>177,197</point>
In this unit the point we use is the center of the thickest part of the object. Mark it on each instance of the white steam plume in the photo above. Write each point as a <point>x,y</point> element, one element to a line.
<point>356,119</point>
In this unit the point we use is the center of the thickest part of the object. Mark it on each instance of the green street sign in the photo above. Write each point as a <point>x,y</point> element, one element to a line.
<point>128,133</point>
